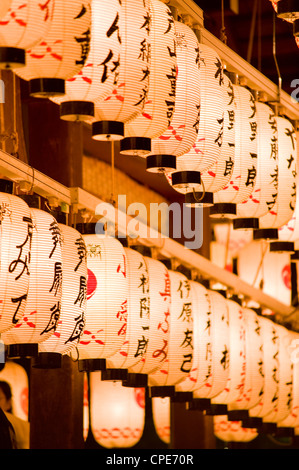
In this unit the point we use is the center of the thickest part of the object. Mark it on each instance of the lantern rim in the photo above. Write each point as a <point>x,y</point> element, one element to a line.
<point>245,223</point>
<point>46,87</point>
<point>217,409</point>
<point>199,198</point>
<point>281,246</point>
<point>6,186</point>
<point>91,365</point>
<point>47,360</point>
<point>160,163</point>
<point>135,380</point>
<point>162,391</point>
<point>237,415</point>
<point>265,233</point>
<point>137,146</point>
<point>269,428</point>
<point>287,9</point>
<point>183,178</point>
<point>76,110</point>
<point>224,210</point>
<point>22,350</point>
<point>114,374</point>
<point>252,422</point>
<point>12,57</point>
<point>181,397</point>
<point>199,404</point>
<point>108,130</point>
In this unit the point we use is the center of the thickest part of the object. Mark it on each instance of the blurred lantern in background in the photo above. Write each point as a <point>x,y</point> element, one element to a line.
<point>4,7</point>
<point>161,417</point>
<point>16,376</point>
<point>232,431</point>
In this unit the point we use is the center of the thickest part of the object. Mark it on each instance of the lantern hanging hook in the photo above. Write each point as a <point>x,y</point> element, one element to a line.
<point>199,199</point>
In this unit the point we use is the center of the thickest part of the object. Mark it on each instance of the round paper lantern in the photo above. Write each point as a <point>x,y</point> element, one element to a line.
<point>136,328</point>
<point>96,78</point>
<point>132,71</point>
<point>219,175</point>
<point>107,297</point>
<point>161,417</point>
<point>4,7</point>
<point>73,301</point>
<point>154,352</point>
<point>43,304</point>
<point>62,52</point>
<point>182,132</point>
<point>180,347</point>
<point>117,413</point>
<point>259,202</point>
<point>283,203</point>
<point>15,254</point>
<point>205,152</point>
<point>16,376</point>
<point>232,431</point>
<point>159,107</point>
<point>23,26</point>
<point>243,177</point>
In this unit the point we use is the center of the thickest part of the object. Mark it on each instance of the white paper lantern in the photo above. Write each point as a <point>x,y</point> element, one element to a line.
<point>43,305</point>
<point>232,431</point>
<point>136,330</point>
<point>117,413</point>
<point>23,26</point>
<point>182,132</point>
<point>283,202</point>
<point>96,78</point>
<point>205,152</point>
<point>4,7</point>
<point>16,376</point>
<point>107,296</point>
<point>243,178</point>
<point>126,101</point>
<point>259,202</point>
<point>15,254</point>
<point>73,301</point>
<point>159,107</point>
<point>155,351</point>
<point>180,349</point>
<point>62,52</point>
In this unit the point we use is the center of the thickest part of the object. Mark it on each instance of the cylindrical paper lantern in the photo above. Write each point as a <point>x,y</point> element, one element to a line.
<point>161,417</point>
<point>117,413</point>
<point>243,178</point>
<point>182,132</point>
<point>259,202</point>
<point>15,254</point>
<point>73,301</point>
<point>159,107</point>
<point>107,297</point>
<point>232,431</point>
<point>205,152</point>
<point>180,349</point>
<point>4,7</point>
<point>16,376</point>
<point>62,52</point>
<point>22,27</point>
<point>126,101</point>
<point>96,78</point>
<point>283,203</point>
<point>43,305</point>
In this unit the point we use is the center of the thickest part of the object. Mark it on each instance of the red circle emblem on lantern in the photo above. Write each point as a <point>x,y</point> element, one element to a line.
<point>140,397</point>
<point>91,284</point>
<point>286,276</point>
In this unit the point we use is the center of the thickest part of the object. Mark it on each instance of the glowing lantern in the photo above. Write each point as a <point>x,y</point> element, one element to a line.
<point>62,52</point>
<point>16,376</point>
<point>284,200</point>
<point>117,413</point>
<point>243,178</point>
<point>182,132</point>
<point>23,26</point>
<point>107,296</point>
<point>205,152</point>
<point>180,347</point>
<point>232,431</point>
<point>95,80</point>
<point>159,107</point>
<point>161,417</point>
<point>154,352</point>
<point>4,7</point>
<point>73,301</point>
<point>42,310</point>
<point>132,69</point>
<point>259,202</point>
<point>15,253</point>
<point>136,328</point>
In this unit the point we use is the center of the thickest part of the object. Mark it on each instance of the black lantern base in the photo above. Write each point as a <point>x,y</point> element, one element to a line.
<point>250,223</point>
<point>114,374</point>
<point>182,397</point>
<point>76,110</point>
<point>252,423</point>
<point>163,391</point>
<point>19,351</point>
<point>137,146</point>
<point>186,179</point>
<point>224,210</point>
<point>199,198</point>
<point>287,9</point>
<point>269,428</point>
<point>6,186</point>
<point>280,247</point>
<point>91,365</point>
<point>237,415</point>
<point>108,130</point>
<point>46,87</point>
<point>12,57</point>
<point>135,380</point>
<point>160,163</point>
<point>265,234</point>
<point>216,410</point>
<point>199,404</point>
<point>47,360</point>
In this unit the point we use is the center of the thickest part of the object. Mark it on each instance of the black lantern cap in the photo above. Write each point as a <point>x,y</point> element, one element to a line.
<point>265,233</point>
<point>91,365</point>
<point>182,397</point>
<point>139,146</point>
<point>237,415</point>
<point>224,210</point>
<point>90,228</point>
<point>295,255</point>
<point>252,422</point>
<point>22,350</point>
<point>163,391</point>
<point>6,186</point>
<point>279,247</point>
<point>46,87</point>
<point>246,223</point>
<point>160,163</point>
<point>108,130</point>
<point>114,374</point>
<point>135,380</point>
<point>182,178</point>
<point>287,9</point>
<point>76,110</point>
<point>216,410</point>
<point>47,360</point>
<point>200,404</point>
<point>12,57</point>
<point>197,197</point>
<point>32,200</point>
<point>269,428</point>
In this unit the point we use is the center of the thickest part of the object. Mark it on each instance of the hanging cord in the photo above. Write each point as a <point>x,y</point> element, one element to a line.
<point>199,199</point>
<point>112,199</point>
<point>260,267</point>
<point>223,35</point>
